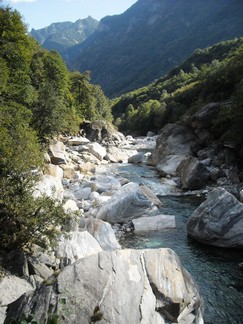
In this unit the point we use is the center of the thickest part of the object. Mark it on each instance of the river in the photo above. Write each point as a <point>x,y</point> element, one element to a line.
<point>214,269</point>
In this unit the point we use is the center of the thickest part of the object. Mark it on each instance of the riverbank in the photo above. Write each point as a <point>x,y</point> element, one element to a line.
<point>94,182</point>
<point>74,175</point>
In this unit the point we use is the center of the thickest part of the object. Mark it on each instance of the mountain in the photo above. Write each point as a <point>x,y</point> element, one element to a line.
<point>210,75</point>
<point>130,50</point>
<point>62,35</point>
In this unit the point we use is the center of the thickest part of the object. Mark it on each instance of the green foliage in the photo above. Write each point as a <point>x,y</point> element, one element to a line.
<point>89,100</point>
<point>19,148</point>
<point>213,74</point>
<point>23,218</point>
<point>149,39</point>
<point>37,101</point>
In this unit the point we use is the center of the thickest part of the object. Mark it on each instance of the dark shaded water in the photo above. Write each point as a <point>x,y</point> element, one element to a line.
<point>214,269</point>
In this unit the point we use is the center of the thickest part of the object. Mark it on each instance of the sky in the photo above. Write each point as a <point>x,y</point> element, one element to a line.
<point>41,13</point>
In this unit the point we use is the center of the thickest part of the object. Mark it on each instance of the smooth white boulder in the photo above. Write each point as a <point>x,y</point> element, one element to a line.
<point>49,186</point>
<point>11,288</point>
<point>103,233</point>
<point>127,203</point>
<point>154,223</point>
<point>97,150</point>
<point>77,245</point>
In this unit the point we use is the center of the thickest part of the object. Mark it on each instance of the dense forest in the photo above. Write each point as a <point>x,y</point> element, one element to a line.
<point>39,98</point>
<point>213,74</point>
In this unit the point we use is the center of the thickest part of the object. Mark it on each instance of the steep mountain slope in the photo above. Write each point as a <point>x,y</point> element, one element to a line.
<point>130,50</point>
<point>214,74</point>
<point>60,36</point>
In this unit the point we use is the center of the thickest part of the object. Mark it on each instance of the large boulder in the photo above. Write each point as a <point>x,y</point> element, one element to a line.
<point>137,158</point>
<point>116,155</point>
<point>102,132</point>
<point>11,288</point>
<point>49,186</point>
<point>97,150</point>
<point>103,233</point>
<point>127,203</point>
<point>54,171</point>
<point>194,175</point>
<point>76,245</point>
<point>125,286</point>
<point>174,139</point>
<point>218,221</point>
<point>169,164</point>
<point>57,153</point>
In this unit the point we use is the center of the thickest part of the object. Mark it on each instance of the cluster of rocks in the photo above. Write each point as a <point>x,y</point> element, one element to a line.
<point>88,277</point>
<point>196,156</point>
<point>201,162</point>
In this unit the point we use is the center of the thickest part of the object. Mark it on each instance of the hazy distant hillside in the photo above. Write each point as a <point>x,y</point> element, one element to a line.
<point>130,50</point>
<point>60,36</point>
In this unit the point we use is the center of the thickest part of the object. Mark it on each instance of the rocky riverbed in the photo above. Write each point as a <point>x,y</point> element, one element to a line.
<point>87,274</point>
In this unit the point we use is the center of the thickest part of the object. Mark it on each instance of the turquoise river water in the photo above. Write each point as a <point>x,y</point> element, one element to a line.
<point>215,270</point>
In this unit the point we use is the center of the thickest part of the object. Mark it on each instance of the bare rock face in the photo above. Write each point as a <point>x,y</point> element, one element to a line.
<point>174,139</point>
<point>125,286</point>
<point>218,221</point>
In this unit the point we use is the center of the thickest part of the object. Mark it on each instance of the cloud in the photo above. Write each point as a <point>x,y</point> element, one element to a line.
<point>21,1</point>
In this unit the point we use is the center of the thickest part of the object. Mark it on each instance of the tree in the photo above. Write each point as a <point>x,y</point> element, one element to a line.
<point>23,219</point>
<point>90,101</point>
<point>15,50</point>
<point>50,108</point>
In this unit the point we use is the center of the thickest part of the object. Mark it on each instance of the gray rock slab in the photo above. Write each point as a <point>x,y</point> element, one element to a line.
<point>154,223</point>
<point>57,153</point>
<point>78,140</point>
<point>97,150</point>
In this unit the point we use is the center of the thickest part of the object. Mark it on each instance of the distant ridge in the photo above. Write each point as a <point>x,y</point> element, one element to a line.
<point>62,35</point>
<point>130,50</point>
